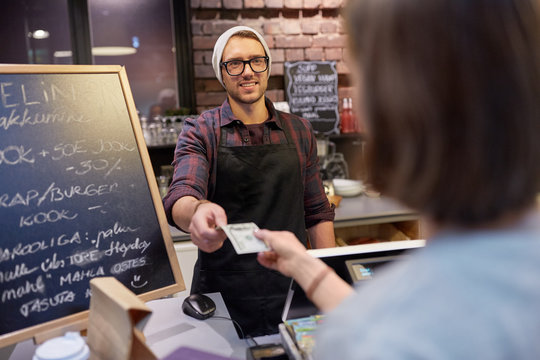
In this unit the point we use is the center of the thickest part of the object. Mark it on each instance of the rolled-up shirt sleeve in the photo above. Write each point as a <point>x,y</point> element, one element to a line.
<point>316,204</point>
<point>192,162</point>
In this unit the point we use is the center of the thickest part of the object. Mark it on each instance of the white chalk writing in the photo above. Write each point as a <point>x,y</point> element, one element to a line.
<point>112,146</point>
<point>52,263</point>
<point>43,304</point>
<point>14,95</point>
<point>14,155</point>
<point>17,119</point>
<point>137,283</point>
<point>51,216</point>
<point>115,230</point>
<point>306,67</point>
<point>304,100</point>
<point>28,288</point>
<point>21,249</point>
<point>84,257</point>
<point>314,89</point>
<point>128,264</point>
<point>96,165</point>
<point>19,271</point>
<point>116,247</point>
<point>55,193</point>
<point>81,275</point>
<point>66,150</point>
<point>304,77</point>
<point>327,77</point>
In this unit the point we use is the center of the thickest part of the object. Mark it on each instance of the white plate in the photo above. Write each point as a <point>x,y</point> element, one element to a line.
<point>349,193</point>
<point>347,187</point>
<point>347,183</point>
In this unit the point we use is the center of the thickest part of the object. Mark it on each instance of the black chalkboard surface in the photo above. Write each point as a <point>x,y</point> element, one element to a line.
<point>78,198</point>
<point>312,93</point>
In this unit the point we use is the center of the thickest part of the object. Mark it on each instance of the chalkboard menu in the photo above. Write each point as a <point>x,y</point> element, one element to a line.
<point>312,93</point>
<point>78,198</point>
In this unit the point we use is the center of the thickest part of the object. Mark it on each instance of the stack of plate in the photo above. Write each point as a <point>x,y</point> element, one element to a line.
<point>347,187</point>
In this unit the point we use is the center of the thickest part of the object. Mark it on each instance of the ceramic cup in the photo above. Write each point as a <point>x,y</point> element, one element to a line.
<point>71,346</point>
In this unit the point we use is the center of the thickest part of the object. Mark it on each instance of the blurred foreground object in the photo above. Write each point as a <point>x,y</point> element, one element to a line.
<point>117,318</point>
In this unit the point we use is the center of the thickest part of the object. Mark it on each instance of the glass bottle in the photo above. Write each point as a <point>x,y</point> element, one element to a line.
<point>346,117</point>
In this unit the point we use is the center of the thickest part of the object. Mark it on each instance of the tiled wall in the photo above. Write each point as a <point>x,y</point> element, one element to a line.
<point>294,30</point>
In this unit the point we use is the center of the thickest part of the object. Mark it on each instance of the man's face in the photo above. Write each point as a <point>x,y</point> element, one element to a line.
<point>249,86</point>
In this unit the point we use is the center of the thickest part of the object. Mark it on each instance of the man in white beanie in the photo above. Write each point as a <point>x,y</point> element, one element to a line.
<point>246,162</point>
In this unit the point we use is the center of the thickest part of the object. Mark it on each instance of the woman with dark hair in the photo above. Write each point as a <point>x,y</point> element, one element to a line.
<point>450,97</point>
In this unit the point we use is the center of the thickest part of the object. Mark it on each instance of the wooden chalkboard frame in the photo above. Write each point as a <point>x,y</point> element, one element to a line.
<point>79,320</point>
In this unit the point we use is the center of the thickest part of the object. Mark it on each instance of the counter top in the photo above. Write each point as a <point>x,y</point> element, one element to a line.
<point>352,211</point>
<point>168,328</point>
<point>362,210</point>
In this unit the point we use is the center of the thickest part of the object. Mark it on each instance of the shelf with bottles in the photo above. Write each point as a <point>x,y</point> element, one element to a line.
<point>162,131</point>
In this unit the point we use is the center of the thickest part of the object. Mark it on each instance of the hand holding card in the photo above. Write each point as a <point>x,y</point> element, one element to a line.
<point>242,238</point>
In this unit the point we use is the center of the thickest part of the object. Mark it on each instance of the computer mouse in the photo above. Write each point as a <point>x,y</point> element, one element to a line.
<point>199,306</point>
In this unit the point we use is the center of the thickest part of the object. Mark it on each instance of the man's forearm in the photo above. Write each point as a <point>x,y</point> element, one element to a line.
<point>322,235</point>
<point>183,210</point>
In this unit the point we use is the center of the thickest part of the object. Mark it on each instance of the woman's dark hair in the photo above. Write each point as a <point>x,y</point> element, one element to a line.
<point>451,100</point>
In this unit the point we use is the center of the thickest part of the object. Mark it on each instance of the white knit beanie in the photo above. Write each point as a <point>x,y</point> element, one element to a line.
<point>222,41</point>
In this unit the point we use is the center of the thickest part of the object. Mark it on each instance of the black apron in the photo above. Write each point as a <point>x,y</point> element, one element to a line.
<point>262,184</point>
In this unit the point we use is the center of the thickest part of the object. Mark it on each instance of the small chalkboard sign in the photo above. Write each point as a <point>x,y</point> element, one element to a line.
<point>78,197</point>
<point>312,93</point>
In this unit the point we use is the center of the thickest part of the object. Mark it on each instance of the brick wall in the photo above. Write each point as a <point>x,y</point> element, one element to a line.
<point>294,30</point>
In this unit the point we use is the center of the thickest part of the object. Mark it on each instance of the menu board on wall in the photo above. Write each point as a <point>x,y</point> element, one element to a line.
<point>78,198</point>
<point>312,93</point>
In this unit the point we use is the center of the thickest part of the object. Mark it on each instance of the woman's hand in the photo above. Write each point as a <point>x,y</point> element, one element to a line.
<point>290,257</point>
<point>286,251</point>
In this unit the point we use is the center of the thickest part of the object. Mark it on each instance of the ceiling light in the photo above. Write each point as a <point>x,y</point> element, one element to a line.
<point>113,50</point>
<point>39,34</point>
<point>62,53</point>
<point>102,51</point>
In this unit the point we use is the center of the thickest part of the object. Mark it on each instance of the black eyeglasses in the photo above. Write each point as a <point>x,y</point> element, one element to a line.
<point>236,67</point>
